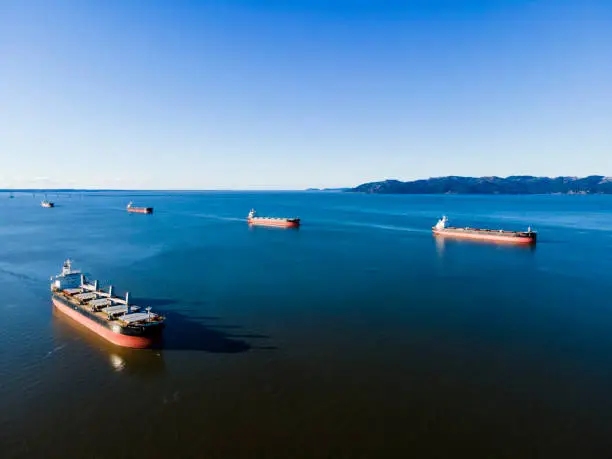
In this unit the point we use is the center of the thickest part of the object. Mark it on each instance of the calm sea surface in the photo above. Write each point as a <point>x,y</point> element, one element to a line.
<point>357,336</point>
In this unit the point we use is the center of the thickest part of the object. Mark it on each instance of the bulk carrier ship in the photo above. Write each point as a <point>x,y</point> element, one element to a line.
<point>111,317</point>
<point>139,210</point>
<point>517,237</point>
<point>270,221</point>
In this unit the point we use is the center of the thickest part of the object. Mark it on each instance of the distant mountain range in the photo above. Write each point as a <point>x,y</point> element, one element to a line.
<point>516,184</point>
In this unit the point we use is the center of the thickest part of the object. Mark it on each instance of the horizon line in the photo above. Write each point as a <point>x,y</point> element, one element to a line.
<point>19,190</point>
<point>65,189</point>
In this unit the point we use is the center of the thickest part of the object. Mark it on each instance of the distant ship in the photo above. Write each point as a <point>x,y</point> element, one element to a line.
<point>45,203</point>
<point>113,318</point>
<point>269,221</point>
<point>139,210</point>
<point>519,237</point>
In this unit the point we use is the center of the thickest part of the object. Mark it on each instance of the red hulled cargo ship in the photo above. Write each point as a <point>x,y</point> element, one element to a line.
<point>112,318</point>
<point>515,237</point>
<point>139,210</point>
<point>269,221</point>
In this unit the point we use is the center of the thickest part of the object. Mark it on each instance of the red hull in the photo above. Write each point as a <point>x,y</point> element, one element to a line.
<point>274,222</point>
<point>137,342</point>
<point>140,210</point>
<point>486,237</point>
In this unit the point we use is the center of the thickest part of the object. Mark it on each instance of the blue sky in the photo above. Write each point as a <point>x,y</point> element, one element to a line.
<point>293,94</point>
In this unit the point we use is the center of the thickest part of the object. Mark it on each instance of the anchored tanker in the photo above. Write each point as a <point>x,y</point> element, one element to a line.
<point>111,317</point>
<point>268,221</point>
<point>45,202</point>
<point>518,237</point>
<point>139,210</point>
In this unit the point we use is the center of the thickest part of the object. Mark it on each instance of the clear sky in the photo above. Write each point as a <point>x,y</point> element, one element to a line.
<point>292,93</point>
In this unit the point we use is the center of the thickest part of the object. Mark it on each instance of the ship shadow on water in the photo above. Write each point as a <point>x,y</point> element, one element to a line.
<point>194,333</point>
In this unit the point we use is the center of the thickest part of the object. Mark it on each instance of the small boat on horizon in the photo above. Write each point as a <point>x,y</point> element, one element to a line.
<point>516,237</point>
<point>271,221</point>
<point>139,210</point>
<point>46,203</point>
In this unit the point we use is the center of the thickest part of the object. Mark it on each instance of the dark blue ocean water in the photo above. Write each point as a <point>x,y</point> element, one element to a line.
<point>357,336</point>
